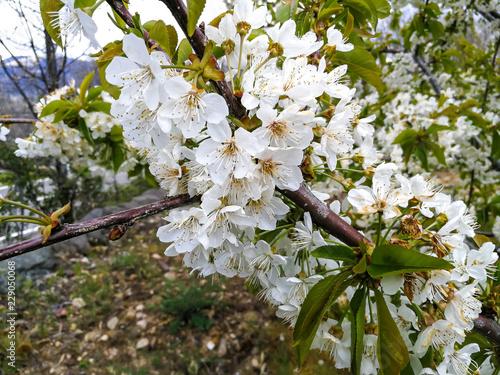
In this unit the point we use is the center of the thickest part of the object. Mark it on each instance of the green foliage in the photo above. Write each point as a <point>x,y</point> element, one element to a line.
<point>392,352</point>
<point>194,10</point>
<point>339,253</point>
<point>48,8</point>
<point>394,260</point>
<point>362,63</point>
<point>357,307</point>
<point>321,296</point>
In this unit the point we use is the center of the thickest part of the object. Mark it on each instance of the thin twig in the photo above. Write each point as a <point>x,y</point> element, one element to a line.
<point>16,120</point>
<point>66,232</point>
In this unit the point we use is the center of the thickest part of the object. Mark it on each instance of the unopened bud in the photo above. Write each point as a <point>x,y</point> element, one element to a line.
<point>117,232</point>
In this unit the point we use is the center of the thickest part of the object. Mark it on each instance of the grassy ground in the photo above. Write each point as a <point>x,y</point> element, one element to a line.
<point>128,309</point>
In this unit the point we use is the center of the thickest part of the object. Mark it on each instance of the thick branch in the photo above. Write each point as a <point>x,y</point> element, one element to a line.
<point>198,41</point>
<point>324,217</point>
<point>16,120</point>
<point>488,328</point>
<point>493,63</point>
<point>422,65</point>
<point>66,232</point>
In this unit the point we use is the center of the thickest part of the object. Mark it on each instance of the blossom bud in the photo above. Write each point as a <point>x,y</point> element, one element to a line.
<point>275,50</point>
<point>117,232</point>
<point>228,46</point>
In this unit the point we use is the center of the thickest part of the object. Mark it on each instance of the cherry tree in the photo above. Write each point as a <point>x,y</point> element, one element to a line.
<point>292,160</point>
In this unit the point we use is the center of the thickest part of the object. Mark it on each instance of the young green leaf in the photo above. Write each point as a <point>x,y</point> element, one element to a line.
<point>183,52</point>
<point>48,8</point>
<point>85,86</point>
<point>317,302</point>
<point>54,106</point>
<point>82,125</point>
<point>392,352</point>
<point>395,260</point>
<point>194,10</point>
<point>358,307</point>
<point>361,62</point>
<point>336,252</point>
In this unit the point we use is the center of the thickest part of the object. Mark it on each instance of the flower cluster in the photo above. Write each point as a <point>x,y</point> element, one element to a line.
<point>243,226</point>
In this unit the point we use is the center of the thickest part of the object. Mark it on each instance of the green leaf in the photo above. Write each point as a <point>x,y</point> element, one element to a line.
<point>183,52</point>
<point>63,113</point>
<point>442,100</point>
<point>342,253</point>
<point>361,62</point>
<point>54,106</point>
<point>82,125</point>
<point>383,8</point>
<point>361,266</point>
<point>150,178</point>
<point>361,6</point>
<point>194,10</point>
<point>293,8</point>
<point>166,36</point>
<point>94,92</point>
<point>216,21</point>
<point>99,106</point>
<point>436,28</point>
<point>48,8</point>
<point>437,151</point>
<point>84,3</point>
<point>405,137</point>
<point>392,352</point>
<point>283,13</point>
<point>85,86</point>
<point>318,300</point>
<point>395,260</point>
<point>420,152</point>
<point>330,8</point>
<point>348,25</point>
<point>434,128</point>
<point>495,145</point>
<point>117,155</point>
<point>358,308</point>
<point>116,134</point>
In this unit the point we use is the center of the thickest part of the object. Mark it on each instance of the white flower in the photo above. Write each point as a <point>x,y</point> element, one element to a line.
<point>266,209</point>
<point>72,22</point>
<point>225,32</point>
<point>440,333</point>
<point>182,231</point>
<point>3,132</point>
<point>166,169</point>
<point>190,108</point>
<point>284,36</point>
<point>382,197</point>
<point>139,74</point>
<point>458,362</point>
<point>280,167</point>
<point>463,308</point>
<point>304,237</point>
<point>336,139</point>
<point>288,129</point>
<point>245,11</point>
<point>336,40</point>
<point>225,154</point>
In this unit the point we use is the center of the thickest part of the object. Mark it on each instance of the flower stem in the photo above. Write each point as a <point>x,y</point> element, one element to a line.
<point>22,217</point>
<point>179,67</point>
<point>379,232</point>
<point>230,72</point>
<point>35,211</point>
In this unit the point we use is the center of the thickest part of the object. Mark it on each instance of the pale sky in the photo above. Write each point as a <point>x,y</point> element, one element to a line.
<point>11,24</point>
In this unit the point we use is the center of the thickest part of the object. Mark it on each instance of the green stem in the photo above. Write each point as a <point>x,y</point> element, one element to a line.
<point>240,55</point>
<point>179,67</point>
<point>379,232</point>
<point>391,226</point>
<point>25,221</point>
<point>335,179</point>
<point>35,211</point>
<point>230,72</point>
<point>16,217</point>
<point>280,227</point>
<point>96,5</point>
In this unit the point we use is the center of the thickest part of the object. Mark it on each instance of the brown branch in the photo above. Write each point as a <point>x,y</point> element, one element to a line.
<point>198,41</point>
<point>65,232</point>
<point>8,120</point>
<point>324,217</point>
<point>423,66</point>
<point>488,328</point>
